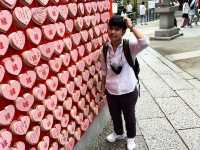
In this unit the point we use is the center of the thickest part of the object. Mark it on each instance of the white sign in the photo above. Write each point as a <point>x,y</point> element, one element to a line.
<point>151,4</point>
<point>114,8</point>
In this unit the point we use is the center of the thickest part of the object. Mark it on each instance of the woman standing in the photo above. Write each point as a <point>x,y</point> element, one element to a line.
<point>142,13</point>
<point>186,9</point>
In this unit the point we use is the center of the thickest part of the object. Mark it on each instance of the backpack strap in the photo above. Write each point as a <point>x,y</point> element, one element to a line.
<point>129,58</point>
<point>105,50</point>
<point>127,53</point>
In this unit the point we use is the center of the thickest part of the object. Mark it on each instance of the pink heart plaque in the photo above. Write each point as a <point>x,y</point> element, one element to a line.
<point>55,131</point>
<point>6,20</point>
<point>17,40</point>
<point>32,137</point>
<point>42,71</point>
<point>8,3</point>
<point>11,90</point>
<point>44,144</point>
<point>58,112</point>
<point>2,73</point>
<point>47,122</point>
<point>72,9</point>
<point>63,12</point>
<point>7,115</point>
<point>39,92</point>
<point>69,24</point>
<point>61,94</point>
<point>63,77</point>
<point>27,79</point>
<point>6,139</point>
<point>31,57</point>
<point>39,15</point>
<point>20,126</point>
<point>52,12</point>
<point>34,35</point>
<point>65,120</point>
<point>24,103</point>
<point>67,104</point>
<point>68,43</point>
<point>55,64</point>
<point>52,83</point>
<point>51,102</point>
<point>22,15</point>
<point>65,59</point>
<point>37,114</point>
<point>60,28</point>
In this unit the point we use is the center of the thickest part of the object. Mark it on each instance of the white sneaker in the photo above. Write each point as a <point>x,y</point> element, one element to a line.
<point>131,144</point>
<point>113,137</point>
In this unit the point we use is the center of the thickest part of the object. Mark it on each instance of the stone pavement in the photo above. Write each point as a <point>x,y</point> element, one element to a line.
<point>168,111</point>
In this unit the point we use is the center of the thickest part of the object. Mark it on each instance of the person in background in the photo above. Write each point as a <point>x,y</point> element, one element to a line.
<point>185,12</point>
<point>129,9</point>
<point>142,13</point>
<point>193,10</point>
<point>123,13</point>
<point>119,81</point>
<point>176,4</point>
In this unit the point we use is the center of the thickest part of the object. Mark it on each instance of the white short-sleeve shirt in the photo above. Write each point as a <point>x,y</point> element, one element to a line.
<point>142,10</point>
<point>125,82</point>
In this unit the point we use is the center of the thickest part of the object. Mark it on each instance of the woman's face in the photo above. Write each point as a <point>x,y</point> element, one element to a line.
<point>115,33</point>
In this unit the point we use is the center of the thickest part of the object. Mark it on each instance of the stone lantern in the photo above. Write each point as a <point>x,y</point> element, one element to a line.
<point>167,30</point>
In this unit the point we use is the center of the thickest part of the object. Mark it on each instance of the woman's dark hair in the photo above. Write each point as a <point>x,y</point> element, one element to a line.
<point>142,3</point>
<point>117,21</point>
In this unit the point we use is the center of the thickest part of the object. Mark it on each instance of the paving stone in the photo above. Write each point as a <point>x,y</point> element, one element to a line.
<point>192,98</point>
<point>145,70</point>
<point>165,61</point>
<point>171,65</point>
<point>195,83</point>
<point>160,135</point>
<point>158,88</point>
<point>191,137</point>
<point>183,55</point>
<point>185,76</point>
<point>190,65</point>
<point>197,76</point>
<point>147,108</point>
<point>155,63</point>
<point>148,57</point>
<point>173,79</point>
<point>138,132</point>
<point>140,143</point>
<point>119,145</point>
<point>153,52</point>
<point>179,114</point>
<point>142,88</point>
<point>160,68</point>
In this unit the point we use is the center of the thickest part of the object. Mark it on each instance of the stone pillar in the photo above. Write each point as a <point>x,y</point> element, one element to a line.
<point>167,30</point>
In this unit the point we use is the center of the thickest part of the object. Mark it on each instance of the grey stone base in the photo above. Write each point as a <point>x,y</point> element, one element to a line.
<point>166,34</point>
<point>96,128</point>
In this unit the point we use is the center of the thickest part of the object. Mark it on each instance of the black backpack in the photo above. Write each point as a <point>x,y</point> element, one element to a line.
<point>133,63</point>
